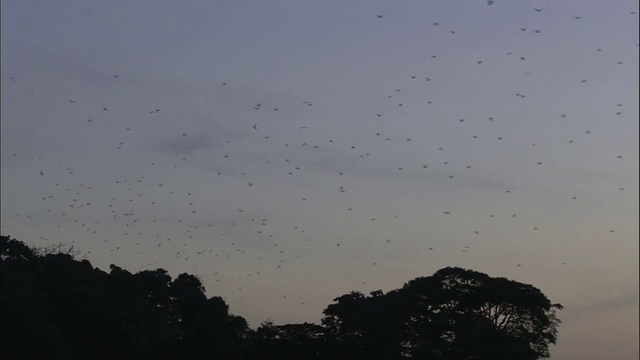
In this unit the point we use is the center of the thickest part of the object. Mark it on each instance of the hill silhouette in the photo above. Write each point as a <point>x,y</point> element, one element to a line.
<point>56,307</point>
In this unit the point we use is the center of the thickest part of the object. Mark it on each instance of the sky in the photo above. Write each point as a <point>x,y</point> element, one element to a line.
<point>289,152</point>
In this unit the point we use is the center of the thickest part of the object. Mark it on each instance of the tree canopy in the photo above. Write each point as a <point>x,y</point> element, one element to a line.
<point>54,306</point>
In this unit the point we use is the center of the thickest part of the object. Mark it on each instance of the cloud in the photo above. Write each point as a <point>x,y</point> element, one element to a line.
<point>621,302</point>
<point>367,170</point>
<point>185,145</point>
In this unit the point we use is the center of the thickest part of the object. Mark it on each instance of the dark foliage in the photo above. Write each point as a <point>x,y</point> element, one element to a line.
<point>55,307</point>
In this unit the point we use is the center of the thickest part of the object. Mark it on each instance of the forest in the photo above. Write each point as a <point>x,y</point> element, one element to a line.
<point>54,306</point>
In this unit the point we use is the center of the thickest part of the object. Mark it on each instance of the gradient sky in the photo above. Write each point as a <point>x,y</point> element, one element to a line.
<point>513,151</point>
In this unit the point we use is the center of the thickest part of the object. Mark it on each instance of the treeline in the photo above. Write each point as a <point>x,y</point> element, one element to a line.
<point>55,307</point>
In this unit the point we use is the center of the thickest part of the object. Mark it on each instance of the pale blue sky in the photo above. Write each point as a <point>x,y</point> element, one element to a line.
<point>259,213</point>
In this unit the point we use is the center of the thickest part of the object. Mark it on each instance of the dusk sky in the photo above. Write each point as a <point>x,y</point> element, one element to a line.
<point>289,152</point>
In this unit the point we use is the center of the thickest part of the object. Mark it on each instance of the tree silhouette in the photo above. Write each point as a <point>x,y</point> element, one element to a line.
<point>24,322</point>
<point>454,314</point>
<point>53,306</point>
<point>290,341</point>
<point>478,316</point>
<point>365,326</point>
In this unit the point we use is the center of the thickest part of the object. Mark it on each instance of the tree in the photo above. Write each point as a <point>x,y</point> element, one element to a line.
<point>25,327</point>
<point>55,307</point>
<point>454,314</point>
<point>366,327</point>
<point>290,341</point>
<point>458,313</point>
